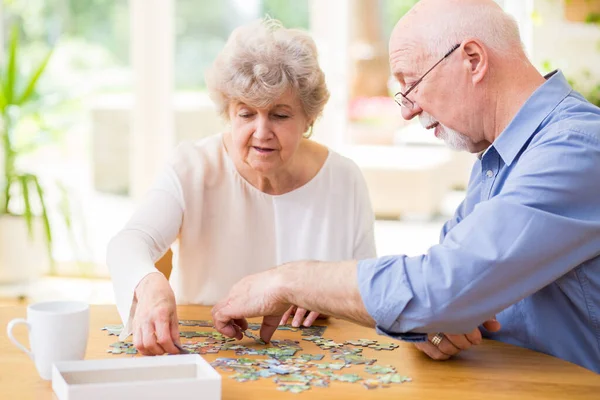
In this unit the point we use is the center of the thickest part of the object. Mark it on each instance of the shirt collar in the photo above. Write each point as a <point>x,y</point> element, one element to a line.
<point>545,99</point>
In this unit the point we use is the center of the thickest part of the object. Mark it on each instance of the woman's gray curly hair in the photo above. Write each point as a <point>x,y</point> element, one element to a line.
<point>260,62</point>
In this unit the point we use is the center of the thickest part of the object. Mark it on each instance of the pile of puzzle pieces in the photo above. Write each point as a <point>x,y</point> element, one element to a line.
<point>291,372</point>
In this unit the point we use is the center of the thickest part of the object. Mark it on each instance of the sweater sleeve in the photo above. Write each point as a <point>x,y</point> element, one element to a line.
<point>146,237</point>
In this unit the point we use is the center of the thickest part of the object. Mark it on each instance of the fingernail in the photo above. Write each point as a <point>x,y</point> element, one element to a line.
<point>295,324</point>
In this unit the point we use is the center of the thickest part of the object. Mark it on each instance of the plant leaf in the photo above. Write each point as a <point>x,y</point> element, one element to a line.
<point>45,220</point>
<point>29,90</point>
<point>27,212</point>
<point>2,97</point>
<point>11,72</point>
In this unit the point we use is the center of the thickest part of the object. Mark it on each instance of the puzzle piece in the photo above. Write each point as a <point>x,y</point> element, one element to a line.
<point>394,378</point>
<point>296,378</point>
<point>253,326</point>
<point>245,377</point>
<point>122,348</point>
<point>293,388</point>
<point>312,357</point>
<point>361,342</point>
<point>114,330</point>
<point>371,383</point>
<point>383,346</point>
<point>380,369</point>
<point>287,343</point>
<point>346,350</point>
<point>334,366</point>
<point>354,359</point>
<point>257,339</point>
<point>314,330</point>
<point>193,322</point>
<point>348,378</point>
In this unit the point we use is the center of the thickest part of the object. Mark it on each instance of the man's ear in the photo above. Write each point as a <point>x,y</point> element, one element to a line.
<point>476,57</point>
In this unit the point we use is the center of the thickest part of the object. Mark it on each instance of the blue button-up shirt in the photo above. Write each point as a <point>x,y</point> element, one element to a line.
<point>524,245</point>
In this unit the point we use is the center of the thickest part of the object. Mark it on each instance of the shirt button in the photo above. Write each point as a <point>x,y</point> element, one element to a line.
<point>489,173</point>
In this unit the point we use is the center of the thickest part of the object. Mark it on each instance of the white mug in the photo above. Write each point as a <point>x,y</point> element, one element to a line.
<point>58,331</point>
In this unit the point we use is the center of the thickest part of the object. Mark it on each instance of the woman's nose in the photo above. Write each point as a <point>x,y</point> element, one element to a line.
<point>263,128</point>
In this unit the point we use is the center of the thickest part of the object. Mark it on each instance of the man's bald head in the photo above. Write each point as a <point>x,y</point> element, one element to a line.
<point>434,26</point>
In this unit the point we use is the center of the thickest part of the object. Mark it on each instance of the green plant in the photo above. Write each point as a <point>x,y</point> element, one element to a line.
<point>18,100</point>
<point>592,18</point>
<point>586,84</point>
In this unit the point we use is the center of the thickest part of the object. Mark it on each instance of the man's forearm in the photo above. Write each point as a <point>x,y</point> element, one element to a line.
<point>326,287</point>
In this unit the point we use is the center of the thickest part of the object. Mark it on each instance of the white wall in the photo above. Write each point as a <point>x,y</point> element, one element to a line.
<point>548,36</point>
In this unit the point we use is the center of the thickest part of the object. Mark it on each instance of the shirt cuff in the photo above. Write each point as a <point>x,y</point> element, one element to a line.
<point>386,292</point>
<point>406,337</point>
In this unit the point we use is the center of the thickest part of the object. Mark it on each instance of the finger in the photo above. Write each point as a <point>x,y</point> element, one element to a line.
<point>287,315</point>
<point>239,335</point>
<point>298,317</point>
<point>228,329</point>
<point>163,337</point>
<point>175,337</point>
<point>312,316</point>
<point>268,327</point>
<point>223,323</point>
<point>474,337</point>
<point>432,351</point>
<point>445,346</point>
<point>149,340</point>
<point>461,342</point>
<point>138,341</point>
<point>492,325</point>
<point>242,323</point>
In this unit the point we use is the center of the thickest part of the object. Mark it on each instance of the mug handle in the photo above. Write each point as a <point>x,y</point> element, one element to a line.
<point>9,329</point>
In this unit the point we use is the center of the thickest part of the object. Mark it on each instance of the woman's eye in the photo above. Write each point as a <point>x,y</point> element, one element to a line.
<point>281,116</point>
<point>244,115</point>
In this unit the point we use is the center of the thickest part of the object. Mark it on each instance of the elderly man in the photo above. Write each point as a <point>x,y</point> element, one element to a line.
<point>525,243</point>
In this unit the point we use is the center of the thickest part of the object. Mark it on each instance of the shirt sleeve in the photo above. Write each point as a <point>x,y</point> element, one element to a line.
<point>542,224</point>
<point>364,246</point>
<point>147,236</point>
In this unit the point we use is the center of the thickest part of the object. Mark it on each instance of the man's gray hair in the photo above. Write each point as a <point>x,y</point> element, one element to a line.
<point>497,30</point>
<point>260,62</point>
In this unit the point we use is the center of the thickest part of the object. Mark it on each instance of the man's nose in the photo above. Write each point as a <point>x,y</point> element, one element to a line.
<point>410,113</point>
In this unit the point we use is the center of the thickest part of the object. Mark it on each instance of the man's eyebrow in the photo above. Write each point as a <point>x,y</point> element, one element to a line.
<point>403,74</point>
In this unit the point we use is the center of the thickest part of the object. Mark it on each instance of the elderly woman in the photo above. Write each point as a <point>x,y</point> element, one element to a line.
<point>233,204</point>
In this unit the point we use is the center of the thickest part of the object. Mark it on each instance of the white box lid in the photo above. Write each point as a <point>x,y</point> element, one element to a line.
<point>186,376</point>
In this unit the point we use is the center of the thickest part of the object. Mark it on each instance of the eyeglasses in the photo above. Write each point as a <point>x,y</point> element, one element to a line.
<point>401,98</point>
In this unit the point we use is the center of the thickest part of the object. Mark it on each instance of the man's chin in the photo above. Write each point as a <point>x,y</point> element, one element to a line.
<point>454,140</point>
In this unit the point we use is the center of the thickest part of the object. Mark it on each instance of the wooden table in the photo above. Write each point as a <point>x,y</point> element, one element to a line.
<point>492,370</point>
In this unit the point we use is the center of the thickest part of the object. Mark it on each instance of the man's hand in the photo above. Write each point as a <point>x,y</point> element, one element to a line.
<point>255,295</point>
<point>454,344</point>
<point>300,314</point>
<point>155,324</point>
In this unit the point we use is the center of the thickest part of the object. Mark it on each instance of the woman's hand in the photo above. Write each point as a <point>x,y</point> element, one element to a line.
<point>155,323</point>
<point>300,314</point>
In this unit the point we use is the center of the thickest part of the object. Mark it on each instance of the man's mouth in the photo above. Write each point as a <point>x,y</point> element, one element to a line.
<point>435,124</point>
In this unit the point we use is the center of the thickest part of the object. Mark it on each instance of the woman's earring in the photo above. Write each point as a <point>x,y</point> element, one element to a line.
<point>309,132</point>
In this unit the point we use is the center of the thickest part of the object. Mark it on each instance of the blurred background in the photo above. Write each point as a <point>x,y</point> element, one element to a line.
<point>95,94</point>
